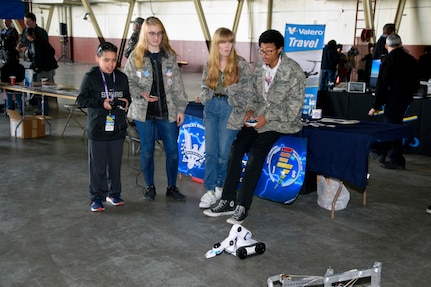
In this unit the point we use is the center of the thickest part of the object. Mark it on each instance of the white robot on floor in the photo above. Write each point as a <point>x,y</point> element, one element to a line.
<point>238,243</point>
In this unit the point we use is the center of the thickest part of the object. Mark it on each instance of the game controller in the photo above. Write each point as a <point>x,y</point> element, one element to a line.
<point>251,122</point>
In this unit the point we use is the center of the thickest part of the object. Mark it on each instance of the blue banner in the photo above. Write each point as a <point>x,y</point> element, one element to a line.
<point>12,9</point>
<point>304,44</point>
<point>191,147</point>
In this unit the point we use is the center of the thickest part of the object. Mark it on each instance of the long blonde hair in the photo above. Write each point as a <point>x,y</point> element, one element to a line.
<point>230,73</point>
<point>142,45</point>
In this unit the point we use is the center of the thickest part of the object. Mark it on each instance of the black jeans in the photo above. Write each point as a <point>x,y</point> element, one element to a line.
<point>394,113</point>
<point>258,144</point>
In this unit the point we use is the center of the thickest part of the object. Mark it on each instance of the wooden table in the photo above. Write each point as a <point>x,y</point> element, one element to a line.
<point>50,90</point>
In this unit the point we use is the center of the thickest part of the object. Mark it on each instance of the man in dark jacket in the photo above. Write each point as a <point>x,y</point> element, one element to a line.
<point>134,38</point>
<point>330,59</point>
<point>380,50</point>
<point>105,92</point>
<point>9,39</point>
<point>30,22</point>
<point>398,80</point>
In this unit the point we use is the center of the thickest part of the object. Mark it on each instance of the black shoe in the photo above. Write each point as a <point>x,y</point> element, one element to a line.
<point>378,156</point>
<point>393,165</point>
<point>428,210</point>
<point>150,192</point>
<point>175,193</point>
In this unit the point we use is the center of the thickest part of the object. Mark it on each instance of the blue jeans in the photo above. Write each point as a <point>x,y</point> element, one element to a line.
<point>10,104</point>
<point>326,77</point>
<point>218,141</point>
<point>169,134</point>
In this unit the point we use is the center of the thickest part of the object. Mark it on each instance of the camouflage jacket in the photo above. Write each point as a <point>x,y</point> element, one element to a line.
<point>141,81</point>
<point>238,94</point>
<point>282,107</point>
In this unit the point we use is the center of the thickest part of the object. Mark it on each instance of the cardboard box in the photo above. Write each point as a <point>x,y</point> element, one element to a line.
<point>30,127</point>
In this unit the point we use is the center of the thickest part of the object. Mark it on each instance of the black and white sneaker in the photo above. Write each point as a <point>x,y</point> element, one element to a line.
<point>223,207</point>
<point>428,210</point>
<point>238,216</point>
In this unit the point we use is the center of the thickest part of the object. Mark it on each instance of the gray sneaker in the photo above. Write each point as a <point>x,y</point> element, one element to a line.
<point>238,216</point>
<point>223,207</point>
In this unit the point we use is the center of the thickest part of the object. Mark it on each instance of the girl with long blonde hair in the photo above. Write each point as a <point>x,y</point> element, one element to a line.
<point>226,87</point>
<point>158,102</point>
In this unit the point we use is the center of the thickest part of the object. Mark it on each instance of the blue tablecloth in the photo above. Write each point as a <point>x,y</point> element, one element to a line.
<point>342,151</point>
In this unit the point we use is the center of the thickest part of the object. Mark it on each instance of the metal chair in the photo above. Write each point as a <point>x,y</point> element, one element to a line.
<point>71,108</point>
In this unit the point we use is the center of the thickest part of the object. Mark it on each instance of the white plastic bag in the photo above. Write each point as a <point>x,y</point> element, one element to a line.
<point>326,189</point>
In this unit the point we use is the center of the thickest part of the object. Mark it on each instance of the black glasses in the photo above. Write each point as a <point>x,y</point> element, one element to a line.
<point>154,34</point>
<point>266,52</point>
<point>107,47</point>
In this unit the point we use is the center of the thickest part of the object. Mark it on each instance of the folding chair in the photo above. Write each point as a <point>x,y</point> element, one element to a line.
<point>71,108</point>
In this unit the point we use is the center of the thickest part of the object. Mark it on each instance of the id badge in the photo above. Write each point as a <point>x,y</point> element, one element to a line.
<point>110,123</point>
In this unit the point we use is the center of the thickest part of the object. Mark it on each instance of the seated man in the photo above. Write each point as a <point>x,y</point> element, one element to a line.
<point>276,109</point>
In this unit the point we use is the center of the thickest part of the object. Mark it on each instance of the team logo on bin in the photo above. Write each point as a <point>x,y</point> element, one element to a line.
<point>283,171</point>
<point>284,165</point>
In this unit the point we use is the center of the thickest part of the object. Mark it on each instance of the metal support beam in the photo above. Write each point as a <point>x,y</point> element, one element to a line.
<point>49,20</point>
<point>96,27</point>
<point>369,18</point>
<point>399,14</point>
<point>269,15</point>
<point>203,22</point>
<point>237,16</point>
<point>126,30</point>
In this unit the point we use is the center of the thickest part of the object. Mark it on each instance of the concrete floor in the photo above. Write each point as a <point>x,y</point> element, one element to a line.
<point>49,236</point>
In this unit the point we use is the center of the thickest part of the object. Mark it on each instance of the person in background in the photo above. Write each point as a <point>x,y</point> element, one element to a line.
<point>366,62</point>
<point>380,49</point>
<point>30,22</point>
<point>342,71</point>
<point>425,64</point>
<point>105,92</point>
<point>330,59</point>
<point>134,38</point>
<point>159,102</point>
<point>43,62</point>
<point>398,80</point>
<point>276,107</point>
<point>226,87</point>
<point>12,67</point>
<point>351,62</point>
<point>9,39</point>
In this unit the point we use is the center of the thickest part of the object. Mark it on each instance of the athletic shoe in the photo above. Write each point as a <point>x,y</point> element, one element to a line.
<point>238,216</point>
<point>115,200</point>
<point>393,165</point>
<point>150,192</point>
<point>428,210</point>
<point>210,197</point>
<point>224,207</point>
<point>97,205</point>
<point>175,193</point>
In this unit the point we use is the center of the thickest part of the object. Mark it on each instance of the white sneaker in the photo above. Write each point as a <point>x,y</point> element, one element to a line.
<point>210,197</point>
